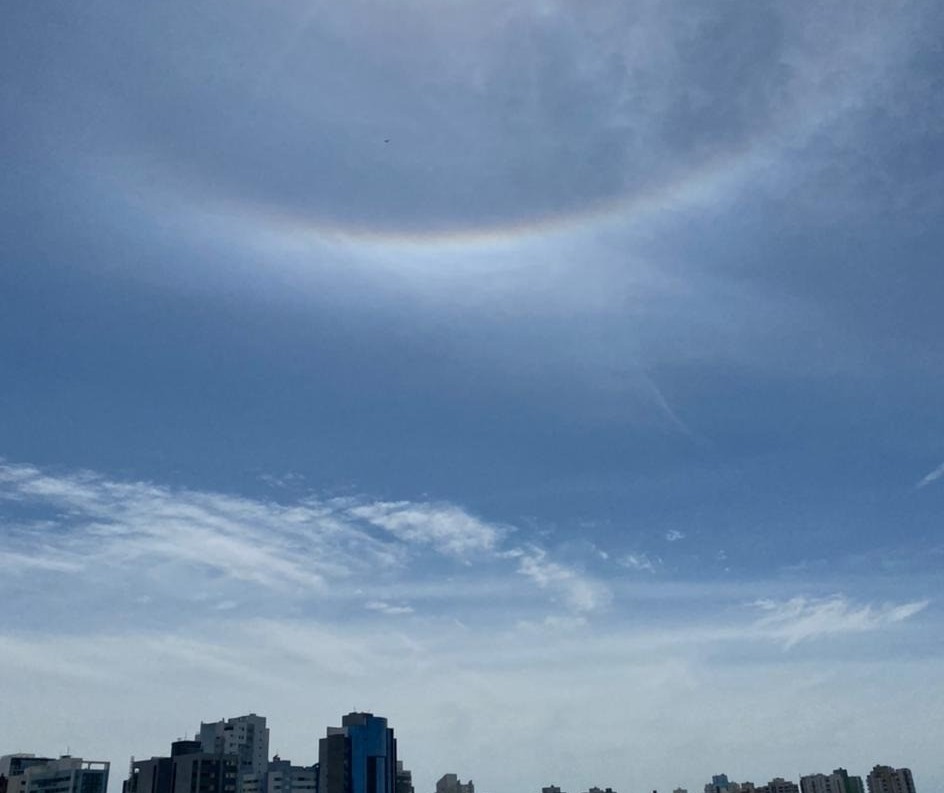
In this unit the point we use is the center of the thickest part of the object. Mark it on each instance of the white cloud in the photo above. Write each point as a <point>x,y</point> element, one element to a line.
<point>932,476</point>
<point>386,608</point>
<point>553,623</point>
<point>13,563</point>
<point>639,561</point>
<point>674,535</point>
<point>207,548</point>
<point>801,618</point>
<point>445,527</point>
<point>140,526</point>
<point>579,592</point>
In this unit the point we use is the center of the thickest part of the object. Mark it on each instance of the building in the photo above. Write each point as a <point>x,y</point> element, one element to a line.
<point>283,777</point>
<point>246,737</point>
<point>15,764</point>
<point>838,781</point>
<point>885,779</point>
<point>189,769</point>
<point>360,756</point>
<point>551,789</point>
<point>404,779</point>
<point>149,776</point>
<point>850,784</point>
<point>26,773</point>
<point>721,784</point>
<point>778,785</point>
<point>203,772</point>
<point>817,783</point>
<point>449,783</point>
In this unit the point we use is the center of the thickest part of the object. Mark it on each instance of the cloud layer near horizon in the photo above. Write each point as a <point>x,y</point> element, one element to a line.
<point>159,543</point>
<point>221,603</point>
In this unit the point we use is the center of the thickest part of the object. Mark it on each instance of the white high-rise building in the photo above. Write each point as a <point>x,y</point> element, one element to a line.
<point>885,779</point>
<point>838,781</point>
<point>247,737</point>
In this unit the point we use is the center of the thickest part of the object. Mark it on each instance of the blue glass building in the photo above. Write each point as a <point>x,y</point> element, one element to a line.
<point>358,757</point>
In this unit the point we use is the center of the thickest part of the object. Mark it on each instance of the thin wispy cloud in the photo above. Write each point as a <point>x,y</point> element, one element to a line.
<point>126,524</point>
<point>297,549</point>
<point>47,559</point>
<point>388,608</point>
<point>930,477</point>
<point>579,592</point>
<point>800,619</point>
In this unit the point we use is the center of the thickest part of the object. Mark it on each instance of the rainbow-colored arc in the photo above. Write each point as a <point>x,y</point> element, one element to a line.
<point>707,183</point>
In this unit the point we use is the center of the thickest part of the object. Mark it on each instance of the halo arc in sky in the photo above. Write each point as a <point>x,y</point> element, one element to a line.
<point>274,225</point>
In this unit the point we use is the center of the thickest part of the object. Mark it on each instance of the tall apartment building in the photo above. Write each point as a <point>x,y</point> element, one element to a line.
<point>885,779</point>
<point>26,773</point>
<point>450,783</point>
<point>360,756</point>
<point>850,784</point>
<point>838,781</point>
<point>246,737</point>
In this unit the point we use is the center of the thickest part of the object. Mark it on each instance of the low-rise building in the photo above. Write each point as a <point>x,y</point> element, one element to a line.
<point>30,774</point>
<point>450,783</point>
<point>283,777</point>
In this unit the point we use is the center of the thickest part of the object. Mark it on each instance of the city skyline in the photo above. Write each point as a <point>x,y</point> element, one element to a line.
<point>561,380</point>
<point>358,757</point>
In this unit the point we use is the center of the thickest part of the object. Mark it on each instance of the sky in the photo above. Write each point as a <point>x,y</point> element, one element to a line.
<point>562,381</point>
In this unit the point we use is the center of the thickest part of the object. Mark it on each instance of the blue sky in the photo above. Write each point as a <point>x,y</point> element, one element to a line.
<point>561,381</point>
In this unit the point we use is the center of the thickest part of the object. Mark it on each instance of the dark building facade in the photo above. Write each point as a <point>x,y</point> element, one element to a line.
<point>850,784</point>
<point>404,779</point>
<point>187,770</point>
